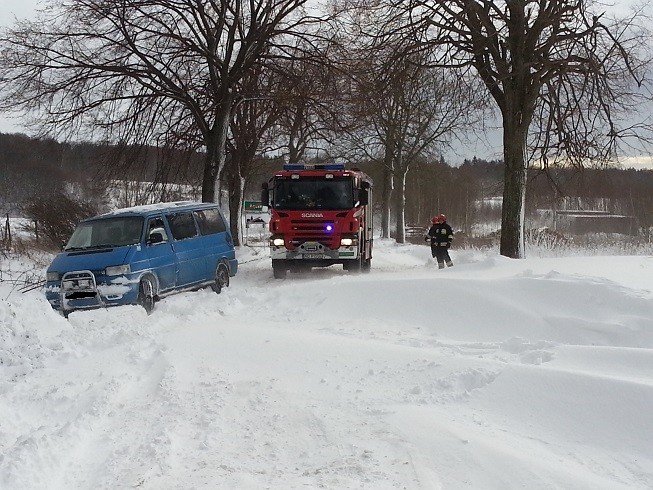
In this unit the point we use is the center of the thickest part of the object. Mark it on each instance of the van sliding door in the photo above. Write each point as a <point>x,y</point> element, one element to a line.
<point>216,241</point>
<point>190,256</point>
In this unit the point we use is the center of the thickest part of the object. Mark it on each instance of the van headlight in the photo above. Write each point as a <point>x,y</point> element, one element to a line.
<point>118,270</point>
<point>52,276</point>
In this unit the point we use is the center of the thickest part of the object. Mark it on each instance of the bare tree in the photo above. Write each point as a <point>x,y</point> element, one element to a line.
<point>285,105</point>
<point>561,66</point>
<point>313,102</point>
<point>144,69</point>
<point>256,113</point>
<point>412,111</point>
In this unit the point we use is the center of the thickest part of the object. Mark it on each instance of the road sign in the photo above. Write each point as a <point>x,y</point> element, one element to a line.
<point>253,207</point>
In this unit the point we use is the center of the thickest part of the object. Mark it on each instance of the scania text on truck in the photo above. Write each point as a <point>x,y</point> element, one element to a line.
<point>320,215</point>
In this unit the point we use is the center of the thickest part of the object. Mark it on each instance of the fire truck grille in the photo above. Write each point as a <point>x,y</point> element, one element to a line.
<point>313,230</point>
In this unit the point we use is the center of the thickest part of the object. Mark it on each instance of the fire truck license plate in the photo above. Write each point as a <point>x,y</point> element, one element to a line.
<point>313,256</point>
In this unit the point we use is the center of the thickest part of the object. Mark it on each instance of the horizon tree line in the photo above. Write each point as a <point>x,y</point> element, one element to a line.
<point>35,184</point>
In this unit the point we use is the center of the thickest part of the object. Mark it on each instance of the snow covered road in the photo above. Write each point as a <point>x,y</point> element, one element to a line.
<point>494,374</point>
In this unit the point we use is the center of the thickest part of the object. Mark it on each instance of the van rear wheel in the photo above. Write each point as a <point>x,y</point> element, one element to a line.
<point>221,278</point>
<point>146,295</point>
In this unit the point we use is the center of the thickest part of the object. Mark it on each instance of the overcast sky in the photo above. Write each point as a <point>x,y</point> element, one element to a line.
<point>9,11</point>
<point>16,8</point>
<point>21,9</point>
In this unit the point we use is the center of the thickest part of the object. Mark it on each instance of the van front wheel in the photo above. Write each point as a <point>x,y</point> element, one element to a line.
<point>146,295</point>
<point>221,278</point>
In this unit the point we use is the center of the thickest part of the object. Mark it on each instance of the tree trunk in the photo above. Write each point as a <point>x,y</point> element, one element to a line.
<point>386,201</point>
<point>400,236</point>
<point>514,189</point>
<point>216,141</point>
<point>236,192</point>
<point>388,186</point>
<point>212,169</point>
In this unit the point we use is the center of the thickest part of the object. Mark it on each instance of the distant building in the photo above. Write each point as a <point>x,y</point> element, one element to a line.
<point>578,222</point>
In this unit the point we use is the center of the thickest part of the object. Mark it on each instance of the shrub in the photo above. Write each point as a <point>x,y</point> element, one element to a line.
<point>55,216</point>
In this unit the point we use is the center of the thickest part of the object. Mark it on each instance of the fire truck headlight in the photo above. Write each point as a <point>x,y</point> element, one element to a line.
<point>278,242</point>
<point>346,242</point>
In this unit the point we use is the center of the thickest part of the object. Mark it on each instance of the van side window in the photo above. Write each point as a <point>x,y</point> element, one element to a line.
<point>182,225</point>
<point>156,232</point>
<point>210,221</point>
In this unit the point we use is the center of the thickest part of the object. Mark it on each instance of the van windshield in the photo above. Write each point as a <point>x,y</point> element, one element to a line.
<point>108,232</point>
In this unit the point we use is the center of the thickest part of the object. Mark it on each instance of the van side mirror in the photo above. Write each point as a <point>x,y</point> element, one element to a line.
<point>363,197</point>
<point>155,238</point>
<point>265,194</point>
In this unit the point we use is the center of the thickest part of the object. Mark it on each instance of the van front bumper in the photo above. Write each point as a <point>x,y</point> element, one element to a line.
<point>84,290</point>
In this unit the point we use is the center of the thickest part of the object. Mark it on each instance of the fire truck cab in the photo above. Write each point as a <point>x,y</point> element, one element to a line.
<point>320,215</point>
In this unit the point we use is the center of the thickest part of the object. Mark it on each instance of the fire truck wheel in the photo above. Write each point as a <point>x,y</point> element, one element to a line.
<point>355,265</point>
<point>367,265</point>
<point>278,272</point>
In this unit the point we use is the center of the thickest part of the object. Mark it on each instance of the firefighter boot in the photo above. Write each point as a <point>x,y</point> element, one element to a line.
<point>449,264</point>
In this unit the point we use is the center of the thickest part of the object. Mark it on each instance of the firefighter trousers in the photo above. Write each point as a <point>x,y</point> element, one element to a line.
<point>441,254</point>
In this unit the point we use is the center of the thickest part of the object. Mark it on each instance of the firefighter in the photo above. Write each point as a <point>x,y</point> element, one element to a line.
<point>441,235</point>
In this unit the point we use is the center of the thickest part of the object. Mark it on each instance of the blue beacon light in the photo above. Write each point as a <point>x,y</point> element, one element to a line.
<point>329,227</point>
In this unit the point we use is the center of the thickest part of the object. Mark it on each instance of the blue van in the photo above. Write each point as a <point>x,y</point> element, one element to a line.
<point>137,255</point>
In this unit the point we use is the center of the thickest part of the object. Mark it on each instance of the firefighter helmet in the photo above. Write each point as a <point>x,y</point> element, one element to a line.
<point>442,218</point>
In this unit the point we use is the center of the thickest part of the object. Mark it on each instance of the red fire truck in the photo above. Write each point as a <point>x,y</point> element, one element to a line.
<point>320,215</point>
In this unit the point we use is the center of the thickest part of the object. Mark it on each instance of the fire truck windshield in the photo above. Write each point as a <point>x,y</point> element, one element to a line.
<point>313,193</point>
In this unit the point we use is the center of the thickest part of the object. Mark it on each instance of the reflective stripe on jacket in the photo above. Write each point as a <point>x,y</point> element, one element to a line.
<point>441,233</point>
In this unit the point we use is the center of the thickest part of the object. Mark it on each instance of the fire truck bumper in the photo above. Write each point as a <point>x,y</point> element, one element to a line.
<point>308,251</point>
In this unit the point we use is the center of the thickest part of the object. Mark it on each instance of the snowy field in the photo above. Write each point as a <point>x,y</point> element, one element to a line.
<point>494,374</point>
